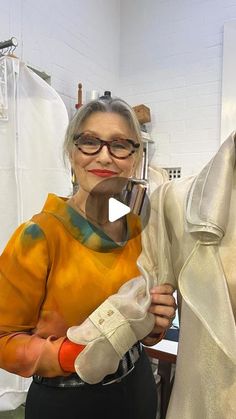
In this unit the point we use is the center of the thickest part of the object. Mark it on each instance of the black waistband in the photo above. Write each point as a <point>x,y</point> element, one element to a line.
<point>126,365</point>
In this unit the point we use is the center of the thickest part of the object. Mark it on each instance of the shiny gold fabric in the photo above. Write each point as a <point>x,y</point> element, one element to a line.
<point>189,242</point>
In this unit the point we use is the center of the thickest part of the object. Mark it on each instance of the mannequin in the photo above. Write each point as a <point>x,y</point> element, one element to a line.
<point>195,250</point>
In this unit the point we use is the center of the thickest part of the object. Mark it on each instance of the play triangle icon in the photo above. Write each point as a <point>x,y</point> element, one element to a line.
<point>116,209</point>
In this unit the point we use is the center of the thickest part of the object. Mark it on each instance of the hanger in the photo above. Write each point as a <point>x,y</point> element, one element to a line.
<point>8,47</point>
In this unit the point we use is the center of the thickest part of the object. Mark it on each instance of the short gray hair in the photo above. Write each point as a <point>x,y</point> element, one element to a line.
<point>113,105</point>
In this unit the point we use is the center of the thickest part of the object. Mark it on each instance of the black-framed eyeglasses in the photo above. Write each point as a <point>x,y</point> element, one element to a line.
<point>119,148</point>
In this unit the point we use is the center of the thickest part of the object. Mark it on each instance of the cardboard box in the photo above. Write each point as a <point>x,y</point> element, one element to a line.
<point>143,113</point>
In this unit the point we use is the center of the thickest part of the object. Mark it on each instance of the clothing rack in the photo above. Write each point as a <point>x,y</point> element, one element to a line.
<point>8,46</point>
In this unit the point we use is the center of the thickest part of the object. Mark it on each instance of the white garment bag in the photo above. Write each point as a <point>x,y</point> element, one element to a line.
<point>33,120</point>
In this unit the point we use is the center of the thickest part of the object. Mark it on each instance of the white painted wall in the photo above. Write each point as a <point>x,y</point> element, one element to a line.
<point>73,41</point>
<point>166,54</point>
<point>228,109</point>
<point>171,60</point>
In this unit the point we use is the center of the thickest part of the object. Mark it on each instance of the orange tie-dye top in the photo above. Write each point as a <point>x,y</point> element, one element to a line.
<point>54,272</point>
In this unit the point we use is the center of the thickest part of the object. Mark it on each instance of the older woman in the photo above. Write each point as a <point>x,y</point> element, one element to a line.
<point>60,266</point>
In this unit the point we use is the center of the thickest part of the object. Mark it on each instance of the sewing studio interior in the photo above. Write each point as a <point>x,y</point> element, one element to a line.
<point>117,203</point>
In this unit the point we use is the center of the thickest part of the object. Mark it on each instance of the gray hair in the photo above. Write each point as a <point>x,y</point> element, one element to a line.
<point>113,105</point>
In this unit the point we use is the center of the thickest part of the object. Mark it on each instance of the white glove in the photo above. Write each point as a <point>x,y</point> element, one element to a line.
<point>111,330</point>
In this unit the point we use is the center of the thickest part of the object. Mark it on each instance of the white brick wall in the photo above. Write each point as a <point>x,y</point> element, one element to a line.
<point>166,54</point>
<point>73,41</point>
<point>171,60</point>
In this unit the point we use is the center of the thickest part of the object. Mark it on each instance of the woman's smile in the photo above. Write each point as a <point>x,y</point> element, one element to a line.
<point>103,172</point>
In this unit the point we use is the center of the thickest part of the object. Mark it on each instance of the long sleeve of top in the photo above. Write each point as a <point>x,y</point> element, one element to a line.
<point>54,272</point>
<point>23,275</point>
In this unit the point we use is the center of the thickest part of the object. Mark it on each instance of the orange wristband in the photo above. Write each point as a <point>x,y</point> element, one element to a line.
<point>68,353</point>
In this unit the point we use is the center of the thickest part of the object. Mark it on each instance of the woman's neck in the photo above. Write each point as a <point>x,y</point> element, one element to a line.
<point>93,207</point>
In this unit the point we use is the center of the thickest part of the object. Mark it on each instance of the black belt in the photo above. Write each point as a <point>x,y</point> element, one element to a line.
<point>126,365</point>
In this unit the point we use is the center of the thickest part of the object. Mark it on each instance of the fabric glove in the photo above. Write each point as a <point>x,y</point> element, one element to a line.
<point>112,329</point>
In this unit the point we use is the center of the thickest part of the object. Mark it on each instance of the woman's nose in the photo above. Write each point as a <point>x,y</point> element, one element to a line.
<point>104,155</point>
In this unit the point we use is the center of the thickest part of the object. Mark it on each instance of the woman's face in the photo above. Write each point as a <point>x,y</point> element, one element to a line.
<point>91,170</point>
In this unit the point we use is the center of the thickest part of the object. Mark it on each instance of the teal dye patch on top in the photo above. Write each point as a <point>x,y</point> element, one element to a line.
<point>80,223</point>
<point>34,231</point>
<point>87,229</point>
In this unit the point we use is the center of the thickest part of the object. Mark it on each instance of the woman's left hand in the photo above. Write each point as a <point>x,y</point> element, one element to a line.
<point>163,306</point>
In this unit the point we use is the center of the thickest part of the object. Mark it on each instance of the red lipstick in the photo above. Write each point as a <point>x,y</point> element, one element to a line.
<point>102,172</point>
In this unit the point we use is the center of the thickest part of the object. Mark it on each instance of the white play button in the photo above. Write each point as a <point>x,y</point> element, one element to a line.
<point>116,209</point>
<point>117,200</point>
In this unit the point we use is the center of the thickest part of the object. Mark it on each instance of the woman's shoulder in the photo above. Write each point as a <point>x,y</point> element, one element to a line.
<point>54,208</point>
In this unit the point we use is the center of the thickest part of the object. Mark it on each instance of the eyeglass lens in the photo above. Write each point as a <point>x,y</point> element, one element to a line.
<point>91,145</point>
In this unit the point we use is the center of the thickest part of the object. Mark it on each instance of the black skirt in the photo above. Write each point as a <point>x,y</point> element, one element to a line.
<point>134,397</point>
